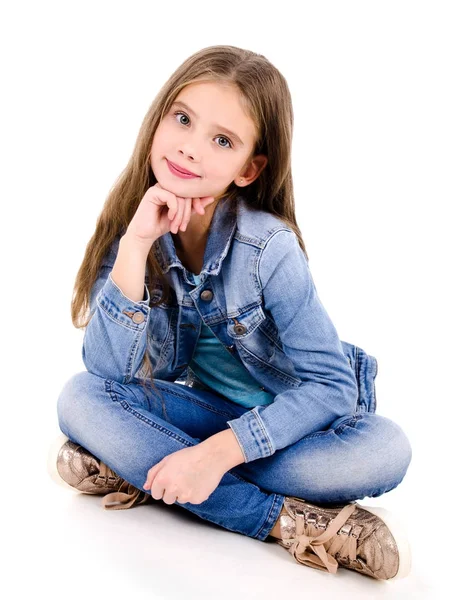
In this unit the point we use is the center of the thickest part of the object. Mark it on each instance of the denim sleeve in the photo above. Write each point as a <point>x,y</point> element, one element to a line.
<point>115,338</point>
<point>328,388</point>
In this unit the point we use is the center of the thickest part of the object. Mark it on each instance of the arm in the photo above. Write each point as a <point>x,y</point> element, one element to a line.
<point>115,338</point>
<point>328,388</point>
<point>225,448</point>
<point>128,272</point>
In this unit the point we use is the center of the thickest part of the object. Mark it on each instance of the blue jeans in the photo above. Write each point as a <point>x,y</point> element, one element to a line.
<point>361,454</point>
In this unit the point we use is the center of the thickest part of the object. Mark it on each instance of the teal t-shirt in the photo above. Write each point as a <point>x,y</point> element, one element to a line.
<point>223,373</point>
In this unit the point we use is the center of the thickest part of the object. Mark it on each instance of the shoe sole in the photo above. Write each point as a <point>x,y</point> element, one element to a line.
<point>400,536</point>
<point>52,470</point>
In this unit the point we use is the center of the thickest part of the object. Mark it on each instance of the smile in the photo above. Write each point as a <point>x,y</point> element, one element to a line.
<point>175,171</point>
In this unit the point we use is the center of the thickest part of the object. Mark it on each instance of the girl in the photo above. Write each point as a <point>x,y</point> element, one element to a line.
<point>199,293</point>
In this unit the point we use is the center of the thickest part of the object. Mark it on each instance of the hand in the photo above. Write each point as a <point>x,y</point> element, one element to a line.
<point>161,211</point>
<point>189,475</point>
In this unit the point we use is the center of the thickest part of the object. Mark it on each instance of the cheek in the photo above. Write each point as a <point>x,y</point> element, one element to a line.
<point>157,142</point>
<point>159,148</point>
<point>164,138</point>
<point>220,167</point>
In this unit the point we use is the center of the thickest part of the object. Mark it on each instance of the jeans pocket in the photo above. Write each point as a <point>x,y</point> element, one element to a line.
<point>365,368</point>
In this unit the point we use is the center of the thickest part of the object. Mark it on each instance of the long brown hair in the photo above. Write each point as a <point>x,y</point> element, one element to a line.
<point>266,97</point>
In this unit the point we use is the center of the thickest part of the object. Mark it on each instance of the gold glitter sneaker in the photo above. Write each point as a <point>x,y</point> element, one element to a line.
<point>73,466</point>
<point>369,540</point>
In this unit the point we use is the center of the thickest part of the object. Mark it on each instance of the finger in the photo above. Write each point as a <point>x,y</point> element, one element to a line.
<point>151,475</point>
<point>186,214</point>
<point>177,219</point>
<point>157,490</point>
<point>207,200</point>
<point>170,496</point>
<point>173,206</point>
<point>198,206</point>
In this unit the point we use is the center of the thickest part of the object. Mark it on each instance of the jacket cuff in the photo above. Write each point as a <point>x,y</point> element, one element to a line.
<point>121,308</point>
<point>252,436</point>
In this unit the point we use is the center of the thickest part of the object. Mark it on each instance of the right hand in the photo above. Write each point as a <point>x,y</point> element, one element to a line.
<point>161,211</point>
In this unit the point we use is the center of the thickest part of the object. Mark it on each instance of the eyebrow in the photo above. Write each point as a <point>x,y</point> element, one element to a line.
<point>228,131</point>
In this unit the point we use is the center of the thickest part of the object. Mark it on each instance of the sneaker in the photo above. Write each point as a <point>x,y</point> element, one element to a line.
<point>74,467</point>
<point>365,539</point>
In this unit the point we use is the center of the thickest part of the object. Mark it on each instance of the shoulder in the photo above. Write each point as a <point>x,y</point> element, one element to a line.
<point>256,226</point>
<point>279,254</point>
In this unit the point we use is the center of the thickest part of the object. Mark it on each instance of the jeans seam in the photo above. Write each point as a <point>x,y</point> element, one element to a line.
<point>351,423</point>
<point>271,518</point>
<point>124,404</point>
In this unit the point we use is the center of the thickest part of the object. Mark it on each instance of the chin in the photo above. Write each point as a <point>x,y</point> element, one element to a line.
<point>181,189</point>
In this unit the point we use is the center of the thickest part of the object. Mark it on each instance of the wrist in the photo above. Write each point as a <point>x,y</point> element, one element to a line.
<point>225,448</point>
<point>136,244</point>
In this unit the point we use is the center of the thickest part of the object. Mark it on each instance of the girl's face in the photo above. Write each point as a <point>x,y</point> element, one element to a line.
<point>207,132</point>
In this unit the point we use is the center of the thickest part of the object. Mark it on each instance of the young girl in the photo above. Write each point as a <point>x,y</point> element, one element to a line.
<point>199,294</point>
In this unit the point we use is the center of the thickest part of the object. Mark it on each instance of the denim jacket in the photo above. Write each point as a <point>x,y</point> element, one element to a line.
<point>258,297</point>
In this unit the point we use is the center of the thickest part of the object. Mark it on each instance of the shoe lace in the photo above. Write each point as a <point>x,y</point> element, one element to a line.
<point>318,551</point>
<point>106,472</point>
<point>125,497</point>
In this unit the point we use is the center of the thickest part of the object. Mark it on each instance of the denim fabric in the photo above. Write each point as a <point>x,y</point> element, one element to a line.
<point>258,297</point>
<point>320,439</point>
<point>360,454</point>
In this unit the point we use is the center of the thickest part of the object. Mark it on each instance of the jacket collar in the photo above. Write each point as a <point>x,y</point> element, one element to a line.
<point>221,231</point>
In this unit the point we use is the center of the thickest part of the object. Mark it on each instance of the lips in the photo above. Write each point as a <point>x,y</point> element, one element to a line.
<point>181,169</point>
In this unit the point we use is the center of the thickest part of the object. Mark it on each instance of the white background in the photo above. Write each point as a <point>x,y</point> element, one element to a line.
<point>373,165</point>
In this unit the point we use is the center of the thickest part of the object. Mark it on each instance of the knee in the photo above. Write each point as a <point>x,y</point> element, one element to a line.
<point>380,455</point>
<point>405,448</point>
<point>394,445</point>
<point>378,452</point>
<point>72,398</point>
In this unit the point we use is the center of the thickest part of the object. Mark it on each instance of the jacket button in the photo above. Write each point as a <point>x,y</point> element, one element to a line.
<point>138,317</point>
<point>207,295</point>
<point>239,329</point>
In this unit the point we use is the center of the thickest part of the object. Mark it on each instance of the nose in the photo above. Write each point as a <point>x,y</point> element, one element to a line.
<point>188,154</point>
<point>190,150</point>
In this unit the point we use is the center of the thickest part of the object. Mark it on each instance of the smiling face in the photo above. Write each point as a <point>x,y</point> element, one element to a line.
<point>206,131</point>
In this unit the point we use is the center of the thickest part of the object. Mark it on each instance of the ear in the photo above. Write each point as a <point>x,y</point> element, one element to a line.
<point>252,170</point>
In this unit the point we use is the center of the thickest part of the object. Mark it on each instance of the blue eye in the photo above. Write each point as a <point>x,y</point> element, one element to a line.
<point>180,113</point>
<point>223,137</point>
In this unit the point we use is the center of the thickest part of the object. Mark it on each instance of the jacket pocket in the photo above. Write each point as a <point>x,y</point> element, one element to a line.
<point>258,344</point>
<point>365,368</point>
<point>244,323</point>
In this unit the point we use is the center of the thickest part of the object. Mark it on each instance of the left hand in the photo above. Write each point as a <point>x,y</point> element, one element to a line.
<point>189,475</point>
